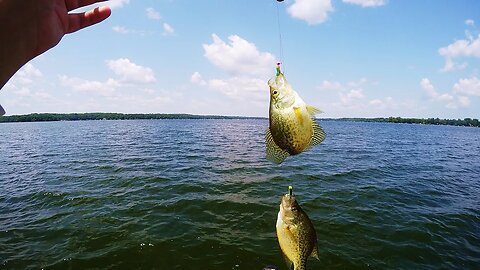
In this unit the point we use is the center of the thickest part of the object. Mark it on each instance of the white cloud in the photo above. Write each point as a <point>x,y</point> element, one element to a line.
<point>197,78</point>
<point>239,57</point>
<point>131,72</point>
<point>469,47</point>
<point>106,88</point>
<point>470,22</point>
<point>311,11</point>
<point>384,103</point>
<point>351,96</point>
<point>139,103</point>
<point>132,77</point>
<point>328,85</point>
<point>113,4</point>
<point>360,98</point>
<point>238,88</point>
<point>366,3</point>
<point>428,88</point>
<point>432,93</point>
<point>445,97</point>
<point>27,74</point>
<point>113,95</point>
<point>469,87</point>
<point>26,88</point>
<point>168,29</point>
<point>153,14</point>
<point>463,101</point>
<point>121,30</point>
<point>117,3</point>
<point>241,88</point>
<point>451,101</point>
<point>247,70</point>
<point>349,86</point>
<point>25,78</point>
<point>125,31</point>
<point>356,84</point>
<point>458,102</point>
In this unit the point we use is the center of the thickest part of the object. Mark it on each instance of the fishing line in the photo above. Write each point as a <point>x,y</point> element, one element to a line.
<point>280,42</point>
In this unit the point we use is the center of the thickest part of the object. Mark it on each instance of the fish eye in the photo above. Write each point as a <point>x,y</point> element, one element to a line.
<point>275,92</point>
<point>294,208</point>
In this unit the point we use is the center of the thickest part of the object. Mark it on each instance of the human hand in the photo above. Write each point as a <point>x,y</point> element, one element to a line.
<point>31,27</point>
<point>50,20</point>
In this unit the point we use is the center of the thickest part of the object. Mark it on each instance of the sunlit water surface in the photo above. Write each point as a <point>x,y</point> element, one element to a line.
<point>199,194</point>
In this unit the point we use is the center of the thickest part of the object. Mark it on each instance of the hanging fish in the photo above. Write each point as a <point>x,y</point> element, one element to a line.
<point>293,128</point>
<point>295,233</point>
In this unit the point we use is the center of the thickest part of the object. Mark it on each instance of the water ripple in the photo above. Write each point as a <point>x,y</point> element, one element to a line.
<point>199,194</point>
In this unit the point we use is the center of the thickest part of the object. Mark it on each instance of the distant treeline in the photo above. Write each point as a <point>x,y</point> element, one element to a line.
<point>467,122</point>
<point>43,117</point>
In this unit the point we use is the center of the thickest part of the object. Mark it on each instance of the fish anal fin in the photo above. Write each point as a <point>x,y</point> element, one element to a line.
<point>274,153</point>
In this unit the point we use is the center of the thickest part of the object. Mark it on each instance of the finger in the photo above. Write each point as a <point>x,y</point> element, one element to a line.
<point>81,20</point>
<point>74,4</point>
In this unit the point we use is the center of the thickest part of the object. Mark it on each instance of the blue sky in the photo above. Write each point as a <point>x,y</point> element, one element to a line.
<point>350,58</point>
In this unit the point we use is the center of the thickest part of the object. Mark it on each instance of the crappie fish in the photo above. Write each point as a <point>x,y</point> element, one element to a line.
<point>295,233</point>
<point>293,128</point>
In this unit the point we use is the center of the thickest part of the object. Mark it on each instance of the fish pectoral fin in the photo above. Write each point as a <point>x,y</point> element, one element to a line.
<point>318,135</point>
<point>313,110</point>
<point>298,114</point>
<point>274,153</point>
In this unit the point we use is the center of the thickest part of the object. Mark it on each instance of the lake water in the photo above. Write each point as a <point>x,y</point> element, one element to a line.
<point>199,194</point>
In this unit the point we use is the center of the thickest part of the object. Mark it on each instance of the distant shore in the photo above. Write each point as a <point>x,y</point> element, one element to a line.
<point>466,122</point>
<point>45,117</point>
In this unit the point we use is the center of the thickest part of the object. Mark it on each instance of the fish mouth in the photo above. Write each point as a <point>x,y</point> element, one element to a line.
<point>287,201</point>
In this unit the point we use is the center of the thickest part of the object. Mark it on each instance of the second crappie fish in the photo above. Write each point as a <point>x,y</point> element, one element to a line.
<point>295,233</point>
<point>293,128</point>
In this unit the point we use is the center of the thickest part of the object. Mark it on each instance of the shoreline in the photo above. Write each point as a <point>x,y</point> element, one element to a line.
<point>52,117</point>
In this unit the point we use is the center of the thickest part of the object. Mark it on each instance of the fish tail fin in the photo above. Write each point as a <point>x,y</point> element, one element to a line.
<point>274,153</point>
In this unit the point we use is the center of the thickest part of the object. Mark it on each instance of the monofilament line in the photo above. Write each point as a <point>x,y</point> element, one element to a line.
<point>281,60</point>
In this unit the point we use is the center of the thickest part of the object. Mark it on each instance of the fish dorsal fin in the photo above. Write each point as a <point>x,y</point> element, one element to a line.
<point>318,133</point>
<point>313,110</point>
<point>274,152</point>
